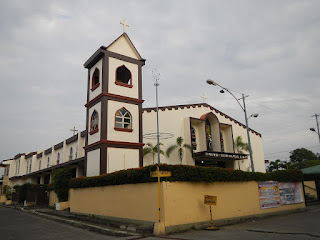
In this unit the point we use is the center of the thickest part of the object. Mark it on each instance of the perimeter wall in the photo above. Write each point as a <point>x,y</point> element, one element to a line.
<point>182,203</point>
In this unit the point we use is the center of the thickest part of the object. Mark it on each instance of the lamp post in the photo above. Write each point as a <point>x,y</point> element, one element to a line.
<point>156,76</point>
<point>211,82</point>
<point>312,129</point>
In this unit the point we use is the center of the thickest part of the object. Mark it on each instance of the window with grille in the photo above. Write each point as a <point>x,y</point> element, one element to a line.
<point>123,119</point>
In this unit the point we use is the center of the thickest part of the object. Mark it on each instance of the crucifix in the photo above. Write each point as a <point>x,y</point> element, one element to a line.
<point>125,25</point>
<point>204,98</point>
<point>74,130</point>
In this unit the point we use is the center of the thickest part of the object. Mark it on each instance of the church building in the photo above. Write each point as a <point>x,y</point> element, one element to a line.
<point>116,124</point>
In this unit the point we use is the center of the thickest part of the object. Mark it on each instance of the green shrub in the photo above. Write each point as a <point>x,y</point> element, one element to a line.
<point>7,191</point>
<point>183,173</point>
<point>60,183</point>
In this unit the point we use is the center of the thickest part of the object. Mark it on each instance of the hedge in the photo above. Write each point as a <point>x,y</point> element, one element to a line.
<point>183,173</point>
<point>60,180</point>
<point>22,190</point>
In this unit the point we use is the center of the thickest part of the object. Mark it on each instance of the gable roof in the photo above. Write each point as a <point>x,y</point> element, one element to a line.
<point>176,107</point>
<point>125,35</point>
<point>102,50</point>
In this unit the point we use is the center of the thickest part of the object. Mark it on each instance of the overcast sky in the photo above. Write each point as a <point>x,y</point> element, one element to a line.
<point>268,50</point>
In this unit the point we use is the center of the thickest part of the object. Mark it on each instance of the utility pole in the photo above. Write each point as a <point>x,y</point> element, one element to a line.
<point>316,116</point>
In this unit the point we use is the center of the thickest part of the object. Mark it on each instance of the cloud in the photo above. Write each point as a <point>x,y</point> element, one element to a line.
<point>268,50</point>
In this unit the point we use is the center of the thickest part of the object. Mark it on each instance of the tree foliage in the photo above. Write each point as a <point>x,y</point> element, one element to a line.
<point>277,165</point>
<point>60,183</point>
<point>302,154</point>
<point>152,149</point>
<point>240,145</point>
<point>7,191</point>
<point>179,146</point>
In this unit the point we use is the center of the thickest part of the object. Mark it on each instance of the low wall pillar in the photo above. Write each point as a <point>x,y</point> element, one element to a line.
<point>159,228</point>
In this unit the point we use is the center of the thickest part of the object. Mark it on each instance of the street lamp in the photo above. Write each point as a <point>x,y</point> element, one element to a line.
<point>211,82</point>
<point>313,130</point>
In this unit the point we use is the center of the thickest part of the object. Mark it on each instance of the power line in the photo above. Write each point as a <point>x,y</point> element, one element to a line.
<point>280,111</point>
<point>288,151</point>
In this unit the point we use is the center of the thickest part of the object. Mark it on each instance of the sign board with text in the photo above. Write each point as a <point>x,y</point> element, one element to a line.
<point>161,174</point>
<point>210,200</point>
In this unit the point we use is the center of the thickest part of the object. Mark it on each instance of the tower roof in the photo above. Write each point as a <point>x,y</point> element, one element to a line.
<point>122,45</point>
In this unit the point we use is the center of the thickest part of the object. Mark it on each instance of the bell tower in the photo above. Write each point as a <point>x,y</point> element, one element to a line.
<point>114,108</point>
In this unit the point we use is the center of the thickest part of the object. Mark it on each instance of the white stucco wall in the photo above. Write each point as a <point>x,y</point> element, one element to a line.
<point>173,121</point>
<point>121,90</point>
<point>81,142</point>
<point>120,158</point>
<point>96,136</point>
<point>123,47</point>
<point>75,148</point>
<point>114,135</point>
<point>98,90</point>
<point>93,163</point>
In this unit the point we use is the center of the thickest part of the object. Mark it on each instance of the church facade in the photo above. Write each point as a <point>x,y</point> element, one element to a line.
<point>116,124</point>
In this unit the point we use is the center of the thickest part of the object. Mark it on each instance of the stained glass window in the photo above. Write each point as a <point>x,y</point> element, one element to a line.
<point>123,119</point>
<point>94,121</point>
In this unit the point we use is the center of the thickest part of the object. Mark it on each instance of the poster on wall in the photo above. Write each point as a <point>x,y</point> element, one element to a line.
<point>269,196</point>
<point>290,193</point>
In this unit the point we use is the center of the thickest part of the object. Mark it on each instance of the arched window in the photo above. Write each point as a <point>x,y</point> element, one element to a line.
<point>76,153</point>
<point>48,163</point>
<point>123,75</point>
<point>208,135</point>
<point>221,142</point>
<point>95,79</point>
<point>40,164</point>
<point>123,120</point>
<point>193,138</point>
<point>94,122</point>
<point>30,165</point>
<point>58,158</point>
<point>71,153</point>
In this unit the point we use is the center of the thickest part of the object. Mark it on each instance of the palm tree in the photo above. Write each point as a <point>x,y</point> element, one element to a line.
<point>276,165</point>
<point>179,145</point>
<point>240,145</point>
<point>152,149</point>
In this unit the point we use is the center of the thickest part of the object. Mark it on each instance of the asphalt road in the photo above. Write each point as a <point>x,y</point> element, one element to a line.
<point>16,225</point>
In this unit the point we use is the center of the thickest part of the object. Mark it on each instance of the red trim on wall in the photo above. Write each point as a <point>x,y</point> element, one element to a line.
<point>123,84</point>
<point>125,144</point>
<point>110,95</point>
<point>123,129</point>
<point>95,87</point>
<point>93,132</point>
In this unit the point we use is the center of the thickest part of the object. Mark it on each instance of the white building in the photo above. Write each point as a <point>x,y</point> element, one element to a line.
<point>115,124</point>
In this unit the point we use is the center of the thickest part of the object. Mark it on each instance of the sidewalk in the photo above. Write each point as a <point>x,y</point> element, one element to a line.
<point>303,223</point>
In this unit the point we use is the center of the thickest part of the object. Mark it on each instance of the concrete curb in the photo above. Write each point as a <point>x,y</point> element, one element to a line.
<point>91,227</point>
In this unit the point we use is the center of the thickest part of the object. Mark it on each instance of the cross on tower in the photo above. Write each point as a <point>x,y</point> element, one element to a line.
<point>204,98</point>
<point>74,130</point>
<point>125,25</point>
